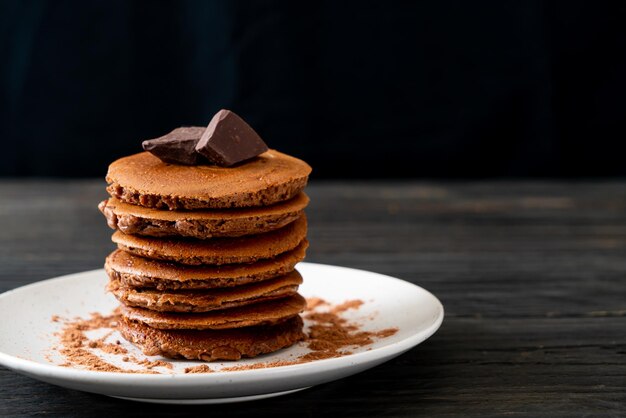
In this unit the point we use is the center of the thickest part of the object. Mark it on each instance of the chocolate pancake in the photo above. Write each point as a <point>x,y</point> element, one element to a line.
<point>143,179</point>
<point>202,224</point>
<point>133,271</point>
<point>207,300</point>
<point>211,345</point>
<point>217,251</point>
<point>264,313</point>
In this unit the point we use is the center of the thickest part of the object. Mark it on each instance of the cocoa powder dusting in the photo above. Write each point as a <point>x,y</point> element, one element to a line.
<point>149,364</point>
<point>74,342</point>
<point>77,348</point>
<point>203,368</point>
<point>312,303</point>
<point>329,335</point>
<point>349,304</point>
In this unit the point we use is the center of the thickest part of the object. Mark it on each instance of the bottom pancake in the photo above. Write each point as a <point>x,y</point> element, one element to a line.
<point>211,345</point>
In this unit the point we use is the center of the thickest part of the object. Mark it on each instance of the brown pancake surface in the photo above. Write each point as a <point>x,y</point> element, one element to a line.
<point>247,249</point>
<point>143,179</point>
<point>264,313</point>
<point>211,345</point>
<point>207,300</point>
<point>134,271</point>
<point>202,224</point>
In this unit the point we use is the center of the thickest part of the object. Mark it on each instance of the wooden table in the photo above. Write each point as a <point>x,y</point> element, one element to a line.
<point>532,276</point>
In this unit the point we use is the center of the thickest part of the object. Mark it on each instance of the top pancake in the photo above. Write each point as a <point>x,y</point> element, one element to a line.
<point>143,179</point>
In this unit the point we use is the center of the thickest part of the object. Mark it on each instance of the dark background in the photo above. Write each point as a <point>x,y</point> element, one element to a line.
<point>358,89</point>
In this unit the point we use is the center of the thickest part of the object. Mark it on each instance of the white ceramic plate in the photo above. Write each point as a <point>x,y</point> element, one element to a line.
<point>28,338</point>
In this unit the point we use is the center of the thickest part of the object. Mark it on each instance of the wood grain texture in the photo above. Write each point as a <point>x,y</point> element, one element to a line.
<point>532,276</point>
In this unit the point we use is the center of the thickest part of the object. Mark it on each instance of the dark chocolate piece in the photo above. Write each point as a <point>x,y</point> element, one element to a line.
<point>229,140</point>
<point>177,147</point>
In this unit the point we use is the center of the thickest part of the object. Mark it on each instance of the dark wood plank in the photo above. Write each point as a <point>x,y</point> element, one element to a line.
<point>531,275</point>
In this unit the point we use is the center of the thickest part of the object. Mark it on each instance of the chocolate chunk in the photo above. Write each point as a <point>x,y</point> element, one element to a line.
<point>177,147</point>
<point>229,140</point>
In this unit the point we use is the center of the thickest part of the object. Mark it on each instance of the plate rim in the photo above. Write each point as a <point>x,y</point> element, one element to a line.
<point>391,350</point>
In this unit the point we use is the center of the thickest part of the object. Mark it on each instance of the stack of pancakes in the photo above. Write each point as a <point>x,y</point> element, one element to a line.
<point>205,265</point>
